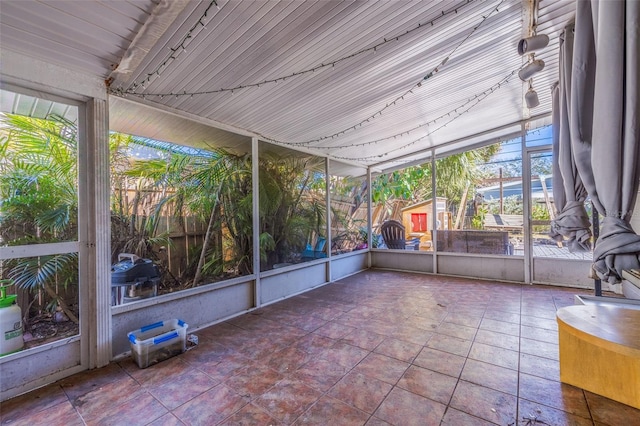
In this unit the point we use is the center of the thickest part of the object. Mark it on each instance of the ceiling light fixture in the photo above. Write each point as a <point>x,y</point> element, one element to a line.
<point>530,69</point>
<point>531,44</point>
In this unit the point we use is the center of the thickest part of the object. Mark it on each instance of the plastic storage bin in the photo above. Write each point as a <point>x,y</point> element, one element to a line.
<point>156,342</point>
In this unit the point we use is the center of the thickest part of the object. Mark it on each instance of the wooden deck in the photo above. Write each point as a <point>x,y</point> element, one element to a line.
<point>503,222</point>
<point>548,250</point>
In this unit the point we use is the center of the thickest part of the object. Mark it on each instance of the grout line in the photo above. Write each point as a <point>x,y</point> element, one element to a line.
<point>519,358</point>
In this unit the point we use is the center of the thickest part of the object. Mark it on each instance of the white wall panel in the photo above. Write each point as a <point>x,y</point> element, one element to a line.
<point>43,365</point>
<point>409,260</point>
<point>564,272</point>
<point>290,282</point>
<point>198,309</point>
<point>347,264</point>
<point>488,267</point>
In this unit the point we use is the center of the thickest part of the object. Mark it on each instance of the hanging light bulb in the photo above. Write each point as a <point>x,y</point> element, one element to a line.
<point>531,97</point>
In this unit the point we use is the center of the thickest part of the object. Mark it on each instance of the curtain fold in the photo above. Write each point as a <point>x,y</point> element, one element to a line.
<point>569,193</point>
<point>604,125</point>
<point>616,134</point>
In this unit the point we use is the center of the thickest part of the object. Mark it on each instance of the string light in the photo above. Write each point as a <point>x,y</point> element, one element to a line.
<point>472,102</point>
<point>476,98</point>
<point>398,98</point>
<point>404,161</point>
<point>175,52</point>
<point>135,86</point>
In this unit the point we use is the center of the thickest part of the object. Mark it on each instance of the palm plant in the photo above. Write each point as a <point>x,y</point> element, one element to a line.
<point>216,187</point>
<point>38,185</point>
<point>220,188</point>
<point>38,173</point>
<point>212,186</point>
<point>292,206</point>
<point>140,194</point>
<point>453,174</point>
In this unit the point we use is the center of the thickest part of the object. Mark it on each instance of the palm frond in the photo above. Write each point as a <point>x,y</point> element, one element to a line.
<point>34,272</point>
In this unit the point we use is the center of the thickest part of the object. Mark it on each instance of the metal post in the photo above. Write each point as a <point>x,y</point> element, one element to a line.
<point>595,218</point>
<point>501,193</point>
<point>255,183</point>
<point>95,237</point>
<point>369,218</point>
<point>434,213</point>
<point>526,206</point>
<point>327,165</point>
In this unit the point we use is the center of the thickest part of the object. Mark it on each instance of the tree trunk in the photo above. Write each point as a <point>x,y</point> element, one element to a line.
<point>461,209</point>
<point>61,303</point>
<point>205,244</point>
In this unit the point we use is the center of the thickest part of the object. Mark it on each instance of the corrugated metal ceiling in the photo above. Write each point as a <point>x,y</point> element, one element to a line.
<point>89,36</point>
<point>360,105</point>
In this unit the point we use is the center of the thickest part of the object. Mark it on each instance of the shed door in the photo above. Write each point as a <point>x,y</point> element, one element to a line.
<point>418,222</point>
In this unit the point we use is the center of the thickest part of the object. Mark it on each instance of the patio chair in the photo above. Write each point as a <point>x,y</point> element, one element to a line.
<point>316,252</point>
<point>393,234</point>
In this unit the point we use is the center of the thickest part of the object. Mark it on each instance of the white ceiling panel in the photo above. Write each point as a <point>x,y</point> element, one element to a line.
<point>32,106</point>
<point>139,120</point>
<point>90,36</point>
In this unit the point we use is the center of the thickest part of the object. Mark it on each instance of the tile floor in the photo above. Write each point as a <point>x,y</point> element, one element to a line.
<point>377,348</point>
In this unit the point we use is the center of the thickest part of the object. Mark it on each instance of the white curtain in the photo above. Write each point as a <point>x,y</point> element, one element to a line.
<point>604,122</point>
